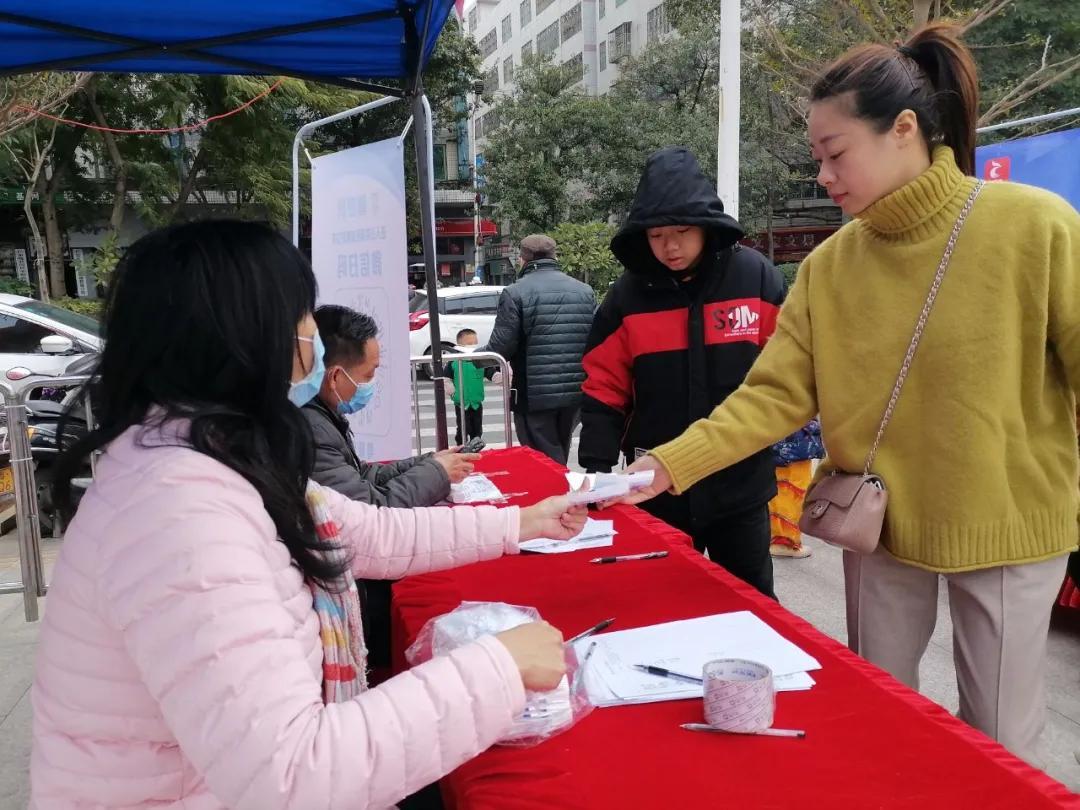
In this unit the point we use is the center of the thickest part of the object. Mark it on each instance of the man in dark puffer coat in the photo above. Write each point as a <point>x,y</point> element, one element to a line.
<point>541,327</point>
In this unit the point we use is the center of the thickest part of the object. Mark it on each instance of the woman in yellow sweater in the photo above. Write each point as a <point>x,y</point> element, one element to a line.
<point>980,457</point>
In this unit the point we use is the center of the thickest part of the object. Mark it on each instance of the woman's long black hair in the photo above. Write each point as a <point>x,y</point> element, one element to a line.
<point>200,324</point>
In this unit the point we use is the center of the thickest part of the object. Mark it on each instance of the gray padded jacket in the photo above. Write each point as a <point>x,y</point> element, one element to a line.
<point>541,327</point>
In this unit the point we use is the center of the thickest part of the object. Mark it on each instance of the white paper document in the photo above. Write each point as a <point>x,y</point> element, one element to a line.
<point>475,488</point>
<point>576,479</point>
<point>685,647</point>
<point>608,485</point>
<point>596,534</point>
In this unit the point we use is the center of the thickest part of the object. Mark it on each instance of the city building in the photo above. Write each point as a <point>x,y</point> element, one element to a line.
<point>593,35</point>
<point>460,236</point>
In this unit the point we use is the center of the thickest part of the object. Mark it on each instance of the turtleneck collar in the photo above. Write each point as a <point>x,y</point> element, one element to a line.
<point>927,205</point>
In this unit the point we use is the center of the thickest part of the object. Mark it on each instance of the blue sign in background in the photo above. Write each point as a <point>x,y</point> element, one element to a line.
<point>1048,161</point>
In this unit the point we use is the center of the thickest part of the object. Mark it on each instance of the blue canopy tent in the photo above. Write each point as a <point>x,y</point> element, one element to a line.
<point>332,41</point>
<point>349,43</point>
<point>320,40</point>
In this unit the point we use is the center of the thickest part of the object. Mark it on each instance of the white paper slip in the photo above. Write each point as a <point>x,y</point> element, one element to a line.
<point>576,479</point>
<point>686,646</point>
<point>473,489</point>
<point>596,534</point>
<point>606,486</point>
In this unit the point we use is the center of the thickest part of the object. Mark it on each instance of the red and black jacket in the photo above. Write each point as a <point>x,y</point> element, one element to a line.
<point>663,354</point>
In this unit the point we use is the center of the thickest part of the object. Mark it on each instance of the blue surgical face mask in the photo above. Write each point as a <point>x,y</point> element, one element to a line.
<point>358,401</point>
<point>305,390</point>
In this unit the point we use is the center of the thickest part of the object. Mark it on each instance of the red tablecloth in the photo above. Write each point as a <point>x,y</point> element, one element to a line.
<point>871,742</point>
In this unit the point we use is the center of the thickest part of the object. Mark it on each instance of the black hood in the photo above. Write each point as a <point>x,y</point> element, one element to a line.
<point>672,191</point>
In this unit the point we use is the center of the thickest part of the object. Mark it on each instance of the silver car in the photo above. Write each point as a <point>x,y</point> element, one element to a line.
<point>42,338</point>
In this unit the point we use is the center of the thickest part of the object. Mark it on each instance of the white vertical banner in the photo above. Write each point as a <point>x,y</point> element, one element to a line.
<point>82,281</point>
<point>359,253</point>
<point>22,268</point>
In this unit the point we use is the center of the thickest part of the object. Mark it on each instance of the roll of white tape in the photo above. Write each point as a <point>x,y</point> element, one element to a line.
<point>739,695</point>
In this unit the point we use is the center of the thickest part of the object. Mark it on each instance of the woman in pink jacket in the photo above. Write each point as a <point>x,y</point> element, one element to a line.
<point>198,650</point>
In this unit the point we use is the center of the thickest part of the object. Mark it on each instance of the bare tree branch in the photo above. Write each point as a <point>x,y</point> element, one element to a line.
<point>1038,81</point>
<point>35,178</point>
<point>981,15</point>
<point>874,7</point>
<point>23,97</point>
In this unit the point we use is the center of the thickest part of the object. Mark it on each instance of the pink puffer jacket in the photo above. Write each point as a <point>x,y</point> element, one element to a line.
<point>179,661</point>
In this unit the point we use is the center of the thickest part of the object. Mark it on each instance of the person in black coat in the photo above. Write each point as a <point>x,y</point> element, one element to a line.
<point>541,327</point>
<point>675,335</point>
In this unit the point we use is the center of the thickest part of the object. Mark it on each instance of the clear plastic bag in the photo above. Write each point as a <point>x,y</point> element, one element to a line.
<point>546,713</point>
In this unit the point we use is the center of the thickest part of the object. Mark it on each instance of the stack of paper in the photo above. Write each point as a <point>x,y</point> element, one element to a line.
<point>476,488</point>
<point>685,647</point>
<point>597,533</point>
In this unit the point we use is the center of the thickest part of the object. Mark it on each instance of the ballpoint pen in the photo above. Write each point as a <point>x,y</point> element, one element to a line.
<point>660,672</point>
<point>765,732</point>
<point>652,555</point>
<point>604,625</point>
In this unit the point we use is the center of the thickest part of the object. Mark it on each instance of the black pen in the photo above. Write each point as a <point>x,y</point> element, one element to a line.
<point>652,555</point>
<point>667,673</point>
<point>604,625</point>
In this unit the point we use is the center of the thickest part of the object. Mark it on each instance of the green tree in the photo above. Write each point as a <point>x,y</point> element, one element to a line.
<point>1028,51</point>
<point>1029,61</point>
<point>541,162</point>
<point>584,252</point>
<point>561,156</point>
<point>245,157</point>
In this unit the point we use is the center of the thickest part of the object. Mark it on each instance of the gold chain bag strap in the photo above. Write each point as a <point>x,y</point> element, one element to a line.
<point>848,509</point>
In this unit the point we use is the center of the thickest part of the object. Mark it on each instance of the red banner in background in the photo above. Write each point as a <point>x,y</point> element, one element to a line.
<point>790,244</point>
<point>464,227</point>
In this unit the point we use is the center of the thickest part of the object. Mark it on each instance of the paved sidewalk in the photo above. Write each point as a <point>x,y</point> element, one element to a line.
<point>811,587</point>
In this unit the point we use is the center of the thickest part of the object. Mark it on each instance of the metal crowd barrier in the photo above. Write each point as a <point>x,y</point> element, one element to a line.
<point>28,529</point>
<point>498,359</point>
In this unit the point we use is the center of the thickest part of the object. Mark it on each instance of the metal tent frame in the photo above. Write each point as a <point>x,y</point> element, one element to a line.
<point>312,41</point>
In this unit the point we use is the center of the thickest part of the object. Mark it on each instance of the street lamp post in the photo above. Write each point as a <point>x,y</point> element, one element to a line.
<point>727,141</point>
<point>478,89</point>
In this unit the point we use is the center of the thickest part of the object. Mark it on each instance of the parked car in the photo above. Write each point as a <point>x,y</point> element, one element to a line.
<point>47,440</point>
<point>471,307</point>
<point>42,338</point>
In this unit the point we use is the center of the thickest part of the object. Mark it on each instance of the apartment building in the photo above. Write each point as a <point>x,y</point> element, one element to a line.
<point>594,36</point>
<point>597,36</point>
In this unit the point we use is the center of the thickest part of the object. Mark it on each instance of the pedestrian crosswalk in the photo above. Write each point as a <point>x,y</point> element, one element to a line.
<point>494,434</point>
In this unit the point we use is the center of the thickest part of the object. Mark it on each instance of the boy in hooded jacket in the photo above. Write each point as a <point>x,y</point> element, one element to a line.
<point>675,335</point>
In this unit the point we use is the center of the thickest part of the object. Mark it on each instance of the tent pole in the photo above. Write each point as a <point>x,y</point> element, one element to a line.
<point>1035,119</point>
<point>298,141</point>
<point>421,111</point>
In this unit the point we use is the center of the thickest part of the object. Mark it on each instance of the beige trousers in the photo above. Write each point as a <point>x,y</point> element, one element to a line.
<point>1000,616</point>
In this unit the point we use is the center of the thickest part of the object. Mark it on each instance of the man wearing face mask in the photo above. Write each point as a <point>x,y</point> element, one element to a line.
<point>348,386</point>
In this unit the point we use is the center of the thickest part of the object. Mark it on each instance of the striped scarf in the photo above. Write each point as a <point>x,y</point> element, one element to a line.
<point>344,653</point>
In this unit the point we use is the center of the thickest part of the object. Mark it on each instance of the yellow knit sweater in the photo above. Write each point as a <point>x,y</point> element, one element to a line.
<point>980,458</point>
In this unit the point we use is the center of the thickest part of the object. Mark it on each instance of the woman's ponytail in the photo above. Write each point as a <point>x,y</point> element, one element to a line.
<point>948,65</point>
